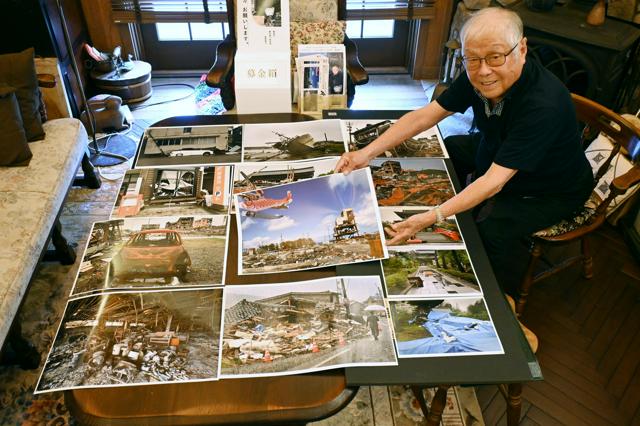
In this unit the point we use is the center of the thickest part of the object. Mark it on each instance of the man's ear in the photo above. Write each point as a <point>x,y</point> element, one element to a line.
<point>523,47</point>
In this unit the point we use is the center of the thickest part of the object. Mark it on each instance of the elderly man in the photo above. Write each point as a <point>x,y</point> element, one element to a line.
<point>525,154</point>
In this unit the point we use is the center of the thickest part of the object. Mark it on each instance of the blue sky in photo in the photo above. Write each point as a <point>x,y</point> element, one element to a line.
<point>316,204</point>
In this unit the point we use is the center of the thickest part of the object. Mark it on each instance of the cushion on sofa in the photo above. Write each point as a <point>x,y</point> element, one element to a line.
<point>13,141</point>
<point>18,70</point>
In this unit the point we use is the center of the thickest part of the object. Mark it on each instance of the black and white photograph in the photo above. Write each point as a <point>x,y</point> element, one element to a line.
<point>174,192</point>
<point>292,141</point>
<point>411,182</point>
<point>429,273</point>
<point>445,232</point>
<point>267,12</point>
<point>360,133</point>
<point>154,252</point>
<point>190,146</point>
<point>135,338</point>
<point>444,327</point>
<point>252,176</point>
<point>277,329</point>
<point>325,221</point>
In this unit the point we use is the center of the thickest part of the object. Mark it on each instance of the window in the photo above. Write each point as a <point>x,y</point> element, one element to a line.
<point>191,31</point>
<point>370,28</point>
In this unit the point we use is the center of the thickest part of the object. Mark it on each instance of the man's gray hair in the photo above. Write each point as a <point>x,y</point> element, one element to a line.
<point>481,22</point>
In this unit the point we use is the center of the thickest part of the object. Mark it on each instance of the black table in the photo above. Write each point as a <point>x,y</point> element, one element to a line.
<point>509,370</point>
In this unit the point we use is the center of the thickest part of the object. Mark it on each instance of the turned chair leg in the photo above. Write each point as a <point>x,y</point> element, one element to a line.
<point>587,259</point>
<point>91,178</point>
<point>536,252</point>
<point>64,253</point>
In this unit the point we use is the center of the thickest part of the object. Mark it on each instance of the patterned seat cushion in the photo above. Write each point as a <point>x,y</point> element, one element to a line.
<point>313,10</point>
<point>30,199</point>
<point>321,32</point>
<point>567,225</point>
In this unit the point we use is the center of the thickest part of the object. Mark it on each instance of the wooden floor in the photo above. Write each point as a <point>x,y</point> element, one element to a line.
<point>589,332</point>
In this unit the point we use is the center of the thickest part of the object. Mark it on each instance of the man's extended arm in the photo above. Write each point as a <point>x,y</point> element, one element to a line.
<point>486,186</point>
<point>406,127</point>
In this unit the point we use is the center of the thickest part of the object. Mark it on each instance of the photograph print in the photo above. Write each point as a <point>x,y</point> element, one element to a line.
<point>292,141</point>
<point>174,192</point>
<point>277,329</point>
<point>429,273</point>
<point>154,252</point>
<point>325,221</point>
<point>135,338</point>
<point>446,232</point>
<point>190,146</point>
<point>360,133</point>
<point>443,327</point>
<point>411,182</point>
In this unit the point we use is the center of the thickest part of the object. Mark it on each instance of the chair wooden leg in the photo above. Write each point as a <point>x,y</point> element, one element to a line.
<point>64,253</point>
<point>536,251</point>
<point>91,178</point>
<point>514,404</point>
<point>587,259</point>
<point>433,415</point>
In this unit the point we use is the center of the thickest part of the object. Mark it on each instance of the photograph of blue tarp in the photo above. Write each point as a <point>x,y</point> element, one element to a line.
<point>453,326</point>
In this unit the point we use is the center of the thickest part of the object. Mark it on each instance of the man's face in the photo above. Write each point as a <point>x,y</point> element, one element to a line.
<point>335,70</point>
<point>493,82</point>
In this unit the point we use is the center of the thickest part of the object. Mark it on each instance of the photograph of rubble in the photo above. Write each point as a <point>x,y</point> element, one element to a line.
<point>135,338</point>
<point>411,182</point>
<point>174,192</point>
<point>444,327</point>
<point>360,133</point>
<point>154,252</point>
<point>423,273</point>
<point>190,146</point>
<point>292,141</point>
<point>446,232</point>
<point>252,176</point>
<point>277,329</point>
<point>325,221</point>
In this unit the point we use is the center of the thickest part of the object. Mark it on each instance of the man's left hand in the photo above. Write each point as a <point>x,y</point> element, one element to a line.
<point>405,230</point>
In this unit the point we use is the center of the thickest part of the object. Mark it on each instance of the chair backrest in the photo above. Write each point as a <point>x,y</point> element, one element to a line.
<point>625,140</point>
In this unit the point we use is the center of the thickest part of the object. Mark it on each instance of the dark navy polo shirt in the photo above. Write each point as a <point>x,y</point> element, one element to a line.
<point>536,134</point>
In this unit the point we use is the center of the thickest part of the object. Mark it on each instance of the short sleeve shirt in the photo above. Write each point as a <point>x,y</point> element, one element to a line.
<point>536,133</point>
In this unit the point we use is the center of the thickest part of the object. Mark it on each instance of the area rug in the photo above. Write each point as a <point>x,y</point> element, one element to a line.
<point>208,100</point>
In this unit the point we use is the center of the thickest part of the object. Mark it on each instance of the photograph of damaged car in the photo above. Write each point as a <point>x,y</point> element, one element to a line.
<point>291,328</point>
<point>154,252</point>
<point>325,221</point>
<point>135,337</point>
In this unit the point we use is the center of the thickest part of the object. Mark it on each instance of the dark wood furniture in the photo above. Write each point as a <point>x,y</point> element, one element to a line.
<point>132,86</point>
<point>626,141</point>
<point>228,401</point>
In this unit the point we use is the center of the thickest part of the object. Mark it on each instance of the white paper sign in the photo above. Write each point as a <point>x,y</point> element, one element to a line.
<point>263,82</point>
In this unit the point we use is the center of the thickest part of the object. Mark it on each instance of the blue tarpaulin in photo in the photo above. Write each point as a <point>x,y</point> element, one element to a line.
<point>451,334</point>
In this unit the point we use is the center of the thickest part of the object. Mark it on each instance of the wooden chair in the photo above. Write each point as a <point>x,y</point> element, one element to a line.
<point>221,73</point>
<point>626,142</point>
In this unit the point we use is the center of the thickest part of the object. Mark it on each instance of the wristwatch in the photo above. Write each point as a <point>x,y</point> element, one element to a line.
<point>439,215</point>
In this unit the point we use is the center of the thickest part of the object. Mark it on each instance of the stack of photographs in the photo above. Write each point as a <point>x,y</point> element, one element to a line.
<point>149,304</point>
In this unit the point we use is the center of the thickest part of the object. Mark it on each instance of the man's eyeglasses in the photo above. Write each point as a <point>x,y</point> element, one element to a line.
<point>492,59</point>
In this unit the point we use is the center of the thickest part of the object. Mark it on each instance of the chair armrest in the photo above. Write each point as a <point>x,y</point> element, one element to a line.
<point>223,63</point>
<point>355,69</point>
<point>627,180</point>
<point>46,80</point>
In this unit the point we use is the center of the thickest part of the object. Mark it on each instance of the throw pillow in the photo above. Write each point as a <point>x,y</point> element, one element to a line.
<point>13,142</point>
<point>18,70</point>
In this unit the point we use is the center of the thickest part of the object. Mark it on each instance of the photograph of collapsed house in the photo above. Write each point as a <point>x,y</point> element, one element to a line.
<point>252,176</point>
<point>411,182</point>
<point>325,221</point>
<point>361,133</point>
<point>154,252</point>
<point>429,273</point>
<point>127,338</point>
<point>190,146</point>
<point>446,232</point>
<point>444,327</point>
<point>174,192</point>
<point>292,141</point>
<point>275,329</point>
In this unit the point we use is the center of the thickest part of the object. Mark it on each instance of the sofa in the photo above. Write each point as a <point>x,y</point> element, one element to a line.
<point>31,199</point>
